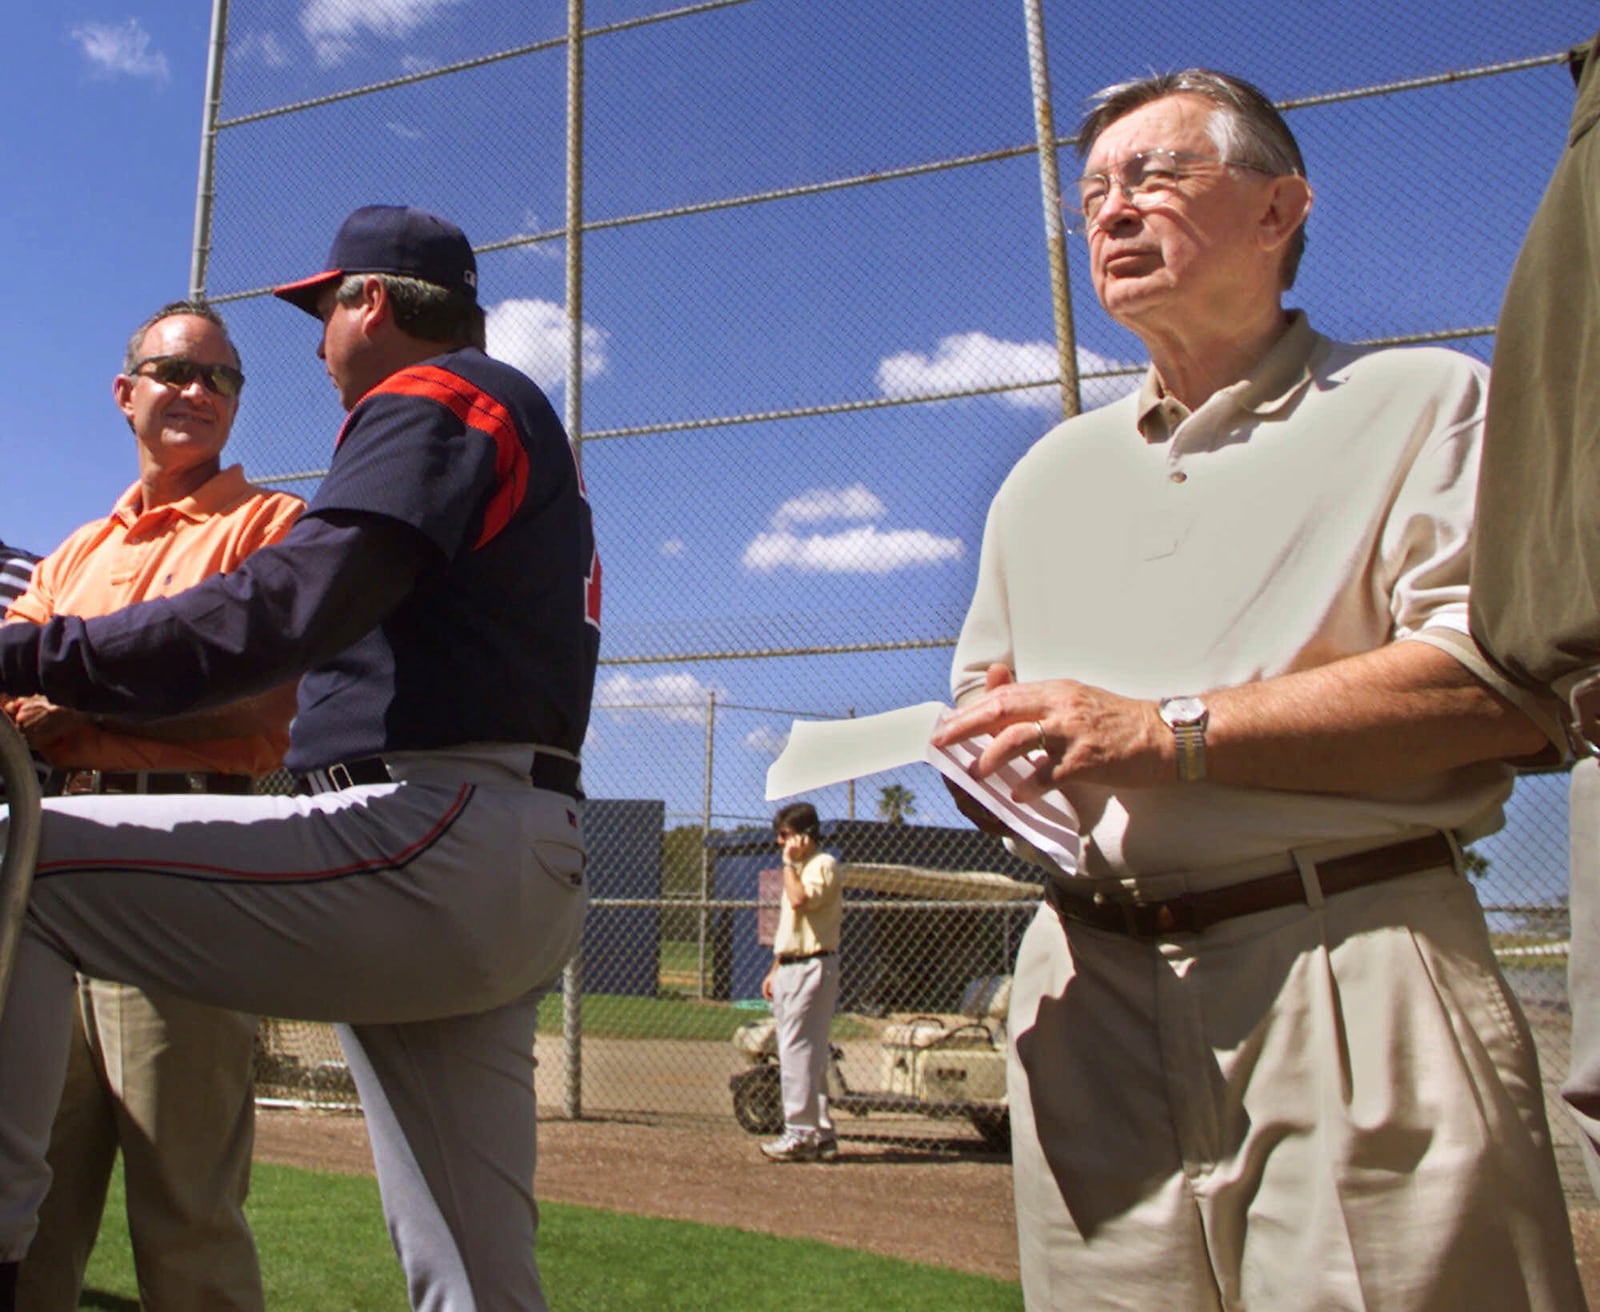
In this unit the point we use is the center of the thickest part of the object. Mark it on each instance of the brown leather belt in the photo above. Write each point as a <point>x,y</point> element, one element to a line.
<point>76,783</point>
<point>1193,913</point>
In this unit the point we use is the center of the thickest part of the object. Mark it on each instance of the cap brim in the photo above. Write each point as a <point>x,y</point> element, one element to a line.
<point>308,291</point>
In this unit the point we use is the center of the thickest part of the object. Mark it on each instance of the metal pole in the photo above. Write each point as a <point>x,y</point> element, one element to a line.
<point>705,834</point>
<point>852,784</point>
<point>22,843</point>
<point>574,397</point>
<point>205,189</point>
<point>572,977</point>
<point>1054,229</point>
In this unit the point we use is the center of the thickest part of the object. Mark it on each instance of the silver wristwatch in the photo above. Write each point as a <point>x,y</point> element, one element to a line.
<point>1186,717</point>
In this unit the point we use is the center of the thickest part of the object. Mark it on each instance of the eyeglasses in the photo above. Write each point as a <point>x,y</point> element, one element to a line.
<point>1147,180</point>
<point>179,371</point>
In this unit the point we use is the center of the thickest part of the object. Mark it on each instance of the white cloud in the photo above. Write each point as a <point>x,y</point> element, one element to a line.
<point>967,361</point>
<point>767,741</point>
<point>673,547</point>
<point>532,335</point>
<point>863,550</point>
<point>335,27</point>
<point>676,698</point>
<point>856,502</point>
<point>124,48</point>
<point>263,48</point>
<point>405,131</point>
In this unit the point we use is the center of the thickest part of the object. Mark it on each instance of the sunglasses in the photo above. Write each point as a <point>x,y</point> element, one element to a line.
<point>177,371</point>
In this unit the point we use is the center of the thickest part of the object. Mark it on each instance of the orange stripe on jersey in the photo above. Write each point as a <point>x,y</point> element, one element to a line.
<point>476,409</point>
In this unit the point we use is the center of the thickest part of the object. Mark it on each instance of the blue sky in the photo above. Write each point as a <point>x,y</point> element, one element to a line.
<point>757,535</point>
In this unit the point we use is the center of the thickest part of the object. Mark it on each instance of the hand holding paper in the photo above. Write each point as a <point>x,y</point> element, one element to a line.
<point>823,752</point>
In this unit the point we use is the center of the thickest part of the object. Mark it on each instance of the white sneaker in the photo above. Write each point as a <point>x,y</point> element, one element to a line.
<point>793,1147</point>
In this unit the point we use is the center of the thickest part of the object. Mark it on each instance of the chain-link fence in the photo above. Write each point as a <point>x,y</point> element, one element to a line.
<point>795,271</point>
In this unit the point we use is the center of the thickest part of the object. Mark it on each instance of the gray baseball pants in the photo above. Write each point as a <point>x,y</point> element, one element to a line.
<point>427,916</point>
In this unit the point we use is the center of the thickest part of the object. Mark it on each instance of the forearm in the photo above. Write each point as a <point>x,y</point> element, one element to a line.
<point>794,892</point>
<point>265,712</point>
<point>284,609</point>
<point>1386,718</point>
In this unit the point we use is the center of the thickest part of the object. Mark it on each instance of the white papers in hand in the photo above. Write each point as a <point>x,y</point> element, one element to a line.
<point>823,752</point>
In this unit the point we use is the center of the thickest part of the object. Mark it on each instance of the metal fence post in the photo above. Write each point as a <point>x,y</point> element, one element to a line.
<point>705,833</point>
<point>1054,229</point>
<point>205,189</point>
<point>572,977</point>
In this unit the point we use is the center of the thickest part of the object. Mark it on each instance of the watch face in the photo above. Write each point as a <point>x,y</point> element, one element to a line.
<point>1183,710</point>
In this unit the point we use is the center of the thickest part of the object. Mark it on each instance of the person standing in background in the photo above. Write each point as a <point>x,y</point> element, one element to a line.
<point>803,985</point>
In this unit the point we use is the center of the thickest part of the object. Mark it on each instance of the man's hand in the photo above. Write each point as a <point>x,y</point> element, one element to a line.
<point>43,722</point>
<point>1076,732</point>
<point>766,983</point>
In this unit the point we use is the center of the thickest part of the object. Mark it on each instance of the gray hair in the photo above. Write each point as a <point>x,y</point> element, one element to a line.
<point>197,308</point>
<point>1245,127</point>
<point>423,309</point>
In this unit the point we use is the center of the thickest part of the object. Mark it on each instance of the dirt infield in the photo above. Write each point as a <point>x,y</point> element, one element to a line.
<point>949,1206</point>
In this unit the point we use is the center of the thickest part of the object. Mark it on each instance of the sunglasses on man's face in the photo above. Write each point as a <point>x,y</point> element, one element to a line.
<point>178,371</point>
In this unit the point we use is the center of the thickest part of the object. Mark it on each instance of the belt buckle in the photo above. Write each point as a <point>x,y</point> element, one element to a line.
<point>81,783</point>
<point>339,776</point>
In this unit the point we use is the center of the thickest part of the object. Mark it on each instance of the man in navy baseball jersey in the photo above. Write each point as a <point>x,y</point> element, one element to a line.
<point>441,598</point>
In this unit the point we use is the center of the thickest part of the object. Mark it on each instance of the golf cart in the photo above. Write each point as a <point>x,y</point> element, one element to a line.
<point>944,1066</point>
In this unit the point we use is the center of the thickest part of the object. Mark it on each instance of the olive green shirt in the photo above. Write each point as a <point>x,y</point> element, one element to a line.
<point>1536,564</point>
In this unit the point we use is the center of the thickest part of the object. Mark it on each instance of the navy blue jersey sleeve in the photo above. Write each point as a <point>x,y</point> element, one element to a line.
<point>285,608</point>
<point>417,449</point>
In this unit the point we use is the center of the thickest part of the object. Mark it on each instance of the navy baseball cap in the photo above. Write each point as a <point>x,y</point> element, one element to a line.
<point>392,239</point>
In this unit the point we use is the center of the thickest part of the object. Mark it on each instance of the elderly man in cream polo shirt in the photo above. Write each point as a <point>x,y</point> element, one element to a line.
<point>1261,1055</point>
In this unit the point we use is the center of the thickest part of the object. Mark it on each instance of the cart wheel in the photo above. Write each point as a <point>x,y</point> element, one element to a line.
<point>758,1100</point>
<point>995,1127</point>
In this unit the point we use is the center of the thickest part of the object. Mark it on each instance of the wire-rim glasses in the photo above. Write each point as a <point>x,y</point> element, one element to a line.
<point>1146,180</point>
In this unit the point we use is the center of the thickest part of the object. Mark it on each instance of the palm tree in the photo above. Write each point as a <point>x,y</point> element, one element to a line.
<point>895,803</point>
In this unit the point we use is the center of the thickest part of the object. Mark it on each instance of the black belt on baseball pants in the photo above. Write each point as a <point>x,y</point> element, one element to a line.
<point>1193,913</point>
<point>793,958</point>
<point>557,773</point>
<point>80,782</point>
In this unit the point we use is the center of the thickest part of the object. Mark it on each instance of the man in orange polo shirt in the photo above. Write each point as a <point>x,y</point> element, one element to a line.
<point>167,1080</point>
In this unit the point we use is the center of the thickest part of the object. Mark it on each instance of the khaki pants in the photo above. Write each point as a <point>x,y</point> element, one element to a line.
<point>1311,1108</point>
<point>168,1082</point>
<point>1582,1089</point>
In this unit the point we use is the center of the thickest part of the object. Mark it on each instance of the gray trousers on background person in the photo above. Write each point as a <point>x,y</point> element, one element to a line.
<point>804,995</point>
<point>1582,1088</point>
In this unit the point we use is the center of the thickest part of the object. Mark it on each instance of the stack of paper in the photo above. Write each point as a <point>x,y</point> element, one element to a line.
<point>823,752</point>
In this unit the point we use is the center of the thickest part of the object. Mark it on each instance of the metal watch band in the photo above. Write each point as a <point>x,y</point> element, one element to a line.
<point>1191,742</point>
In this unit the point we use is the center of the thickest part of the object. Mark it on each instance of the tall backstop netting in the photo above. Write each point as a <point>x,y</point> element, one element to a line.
<point>794,271</point>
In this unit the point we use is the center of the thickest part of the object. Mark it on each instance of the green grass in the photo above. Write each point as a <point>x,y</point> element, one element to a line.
<point>324,1249</point>
<point>615,1016</point>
